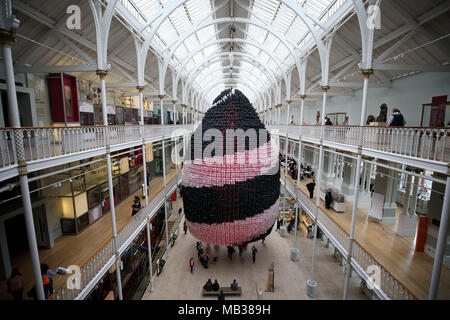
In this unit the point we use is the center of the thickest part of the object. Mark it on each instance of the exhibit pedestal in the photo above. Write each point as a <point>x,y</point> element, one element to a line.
<point>407,225</point>
<point>294,254</point>
<point>311,288</point>
<point>283,231</point>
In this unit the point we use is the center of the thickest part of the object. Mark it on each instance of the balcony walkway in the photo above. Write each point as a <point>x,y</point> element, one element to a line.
<point>78,249</point>
<point>395,253</point>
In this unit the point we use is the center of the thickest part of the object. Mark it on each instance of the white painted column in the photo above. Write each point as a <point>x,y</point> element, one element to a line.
<point>102,75</point>
<point>162,108</point>
<point>311,285</point>
<point>165,197</point>
<point>302,106</point>
<point>366,74</point>
<point>441,243</point>
<point>13,114</point>
<point>150,261</point>
<point>299,161</point>
<point>288,110</point>
<point>174,112</point>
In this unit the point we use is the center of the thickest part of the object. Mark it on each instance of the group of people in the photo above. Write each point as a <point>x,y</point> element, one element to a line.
<point>15,282</point>
<point>395,120</point>
<point>243,247</point>
<point>202,256</point>
<point>209,286</point>
<point>306,170</point>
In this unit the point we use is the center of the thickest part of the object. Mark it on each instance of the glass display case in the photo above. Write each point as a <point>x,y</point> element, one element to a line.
<point>74,212</point>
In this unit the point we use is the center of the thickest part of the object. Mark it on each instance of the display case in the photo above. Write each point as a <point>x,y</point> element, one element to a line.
<point>63,98</point>
<point>74,212</point>
<point>120,115</point>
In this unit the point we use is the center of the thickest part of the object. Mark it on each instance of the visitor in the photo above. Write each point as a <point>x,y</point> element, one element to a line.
<point>382,117</point>
<point>205,260</point>
<point>328,200</point>
<point>215,286</point>
<point>328,122</point>
<point>291,225</point>
<point>191,264</point>
<point>234,285</point>
<point>278,223</point>
<point>345,121</point>
<point>396,119</point>
<point>220,295</point>
<point>208,285</point>
<point>185,227</point>
<point>136,206</point>
<point>254,250</point>
<point>310,186</point>
<point>370,119</point>
<point>198,246</point>
<point>291,122</point>
<point>48,286</point>
<point>15,284</point>
<point>230,252</point>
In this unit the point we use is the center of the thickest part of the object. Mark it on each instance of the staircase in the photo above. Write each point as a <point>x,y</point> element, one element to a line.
<point>169,228</point>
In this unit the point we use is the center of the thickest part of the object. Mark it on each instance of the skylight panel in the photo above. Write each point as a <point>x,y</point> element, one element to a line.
<point>198,10</point>
<point>283,19</point>
<point>257,33</point>
<point>166,32</point>
<point>180,20</point>
<point>206,34</point>
<point>271,42</point>
<point>297,30</point>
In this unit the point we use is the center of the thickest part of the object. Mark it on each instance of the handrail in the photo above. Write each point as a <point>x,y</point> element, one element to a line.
<point>356,242</point>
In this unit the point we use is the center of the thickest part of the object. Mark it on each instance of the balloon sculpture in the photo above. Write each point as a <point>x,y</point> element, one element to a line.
<point>231,178</point>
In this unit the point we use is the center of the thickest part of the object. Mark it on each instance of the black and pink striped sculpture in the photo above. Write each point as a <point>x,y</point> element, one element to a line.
<point>230,192</point>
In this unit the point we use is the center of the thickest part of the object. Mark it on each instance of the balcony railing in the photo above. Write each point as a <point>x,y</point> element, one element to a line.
<point>423,143</point>
<point>101,262</point>
<point>51,142</point>
<point>389,287</point>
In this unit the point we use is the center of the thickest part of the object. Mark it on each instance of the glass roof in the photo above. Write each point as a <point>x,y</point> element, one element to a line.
<point>265,46</point>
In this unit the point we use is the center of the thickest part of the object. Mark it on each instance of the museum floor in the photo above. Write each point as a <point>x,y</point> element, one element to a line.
<point>176,281</point>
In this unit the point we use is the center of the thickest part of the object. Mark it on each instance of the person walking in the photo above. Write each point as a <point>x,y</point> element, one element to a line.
<point>310,186</point>
<point>220,296</point>
<point>191,264</point>
<point>230,252</point>
<point>205,260</point>
<point>15,285</point>
<point>254,250</point>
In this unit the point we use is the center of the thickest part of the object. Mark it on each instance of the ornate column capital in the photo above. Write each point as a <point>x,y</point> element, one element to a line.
<point>174,101</point>
<point>101,73</point>
<point>367,72</point>
<point>288,101</point>
<point>303,96</point>
<point>7,37</point>
<point>140,88</point>
<point>325,88</point>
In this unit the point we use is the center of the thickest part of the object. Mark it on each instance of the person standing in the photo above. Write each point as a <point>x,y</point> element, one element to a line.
<point>15,284</point>
<point>254,250</point>
<point>328,200</point>
<point>136,206</point>
<point>278,223</point>
<point>396,119</point>
<point>191,264</point>
<point>310,186</point>
<point>205,260</point>
<point>185,227</point>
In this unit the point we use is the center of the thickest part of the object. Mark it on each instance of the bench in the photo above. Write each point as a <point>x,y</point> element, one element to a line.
<point>227,291</point>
